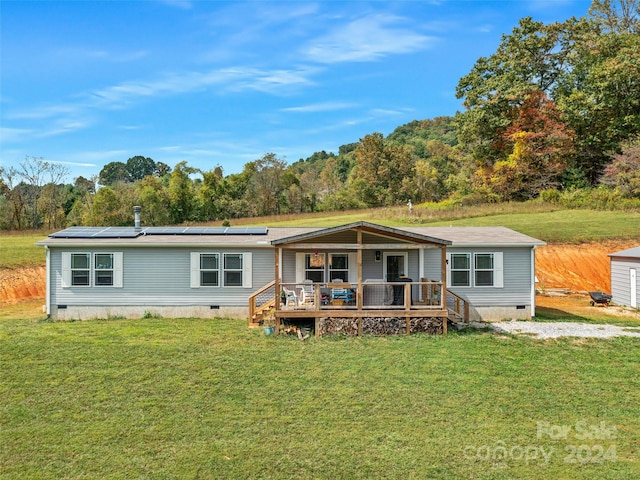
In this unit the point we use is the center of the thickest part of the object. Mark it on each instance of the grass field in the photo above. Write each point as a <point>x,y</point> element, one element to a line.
<point>545,222</point>
<point>19,249</point>
<point>160,398</point>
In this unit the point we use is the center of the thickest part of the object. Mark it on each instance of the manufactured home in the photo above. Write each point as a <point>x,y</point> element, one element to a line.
<point>624,279</point>
<point>351,278</point>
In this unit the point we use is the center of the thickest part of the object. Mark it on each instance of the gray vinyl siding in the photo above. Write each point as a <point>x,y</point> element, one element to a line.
<point>370,268</point>
<point>158,276</point>
<point>288,266</point>
<point>516,274</point>
<point>620,286</point>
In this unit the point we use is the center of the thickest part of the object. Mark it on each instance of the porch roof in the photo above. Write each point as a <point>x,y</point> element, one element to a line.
<point>368,227</point>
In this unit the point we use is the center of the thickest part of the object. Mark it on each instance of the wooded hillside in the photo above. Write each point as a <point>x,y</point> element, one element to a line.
<point>555,110</point>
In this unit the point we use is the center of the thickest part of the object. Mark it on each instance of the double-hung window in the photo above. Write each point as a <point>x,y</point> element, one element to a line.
<point>338,267</point>
<point>483,270</point>
<point>103,269</point>
<point>460,270</point>
<point>232,269</point>
<point>80,269</point>
<point>209,269</point>
<point>314,267</point>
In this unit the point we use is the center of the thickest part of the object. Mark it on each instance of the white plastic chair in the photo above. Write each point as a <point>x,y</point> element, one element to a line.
<point>289,297</point>
<point>307,293</point>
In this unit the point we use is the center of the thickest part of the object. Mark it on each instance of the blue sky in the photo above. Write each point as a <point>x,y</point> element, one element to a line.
<point>85,83</point>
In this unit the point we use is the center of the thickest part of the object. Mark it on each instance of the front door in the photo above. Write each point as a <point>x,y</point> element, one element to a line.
<point>395,266</point>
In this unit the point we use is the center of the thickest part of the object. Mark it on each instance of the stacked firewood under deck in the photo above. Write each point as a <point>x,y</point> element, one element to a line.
<point>411,307</point>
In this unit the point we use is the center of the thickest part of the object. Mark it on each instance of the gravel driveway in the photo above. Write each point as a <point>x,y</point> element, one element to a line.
<point>563,329</point>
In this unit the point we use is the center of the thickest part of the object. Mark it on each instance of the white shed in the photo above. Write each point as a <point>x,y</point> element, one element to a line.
<point>624,278</point>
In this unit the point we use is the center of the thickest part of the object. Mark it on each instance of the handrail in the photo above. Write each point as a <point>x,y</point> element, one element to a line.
<point>254,308</point>
<point>460,306</point>
<point>377,295</point>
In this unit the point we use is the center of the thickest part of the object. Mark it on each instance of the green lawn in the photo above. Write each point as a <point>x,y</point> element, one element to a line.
<point>541,221</point>
<point>18,249</point>
<point>185,398</point>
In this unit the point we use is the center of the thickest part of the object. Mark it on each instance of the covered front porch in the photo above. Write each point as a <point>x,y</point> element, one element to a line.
<point>355,279</point>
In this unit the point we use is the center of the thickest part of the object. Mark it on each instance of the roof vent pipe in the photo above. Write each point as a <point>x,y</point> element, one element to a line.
<point>136,212</point>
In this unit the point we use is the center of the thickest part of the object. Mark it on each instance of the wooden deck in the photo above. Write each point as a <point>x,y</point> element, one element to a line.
<point>410,302</point>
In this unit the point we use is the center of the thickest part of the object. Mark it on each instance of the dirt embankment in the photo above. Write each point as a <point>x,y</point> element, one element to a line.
<point>574,267</point>
<point>579,268</point>
<point>22,283</point>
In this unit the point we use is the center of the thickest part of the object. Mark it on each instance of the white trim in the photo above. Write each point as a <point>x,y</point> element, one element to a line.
<point>421,271</point>
<point>247,270</point>
<point>117,269</point>
<point>352,258</point>
<point>195,269</point>
<point>66,270</point>
<point>498,270</point>
<point>300,259</point>
<point>47,299</point>
<point>633,288</point>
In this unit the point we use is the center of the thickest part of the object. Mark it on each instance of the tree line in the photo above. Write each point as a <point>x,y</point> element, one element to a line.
<point>556,108</point>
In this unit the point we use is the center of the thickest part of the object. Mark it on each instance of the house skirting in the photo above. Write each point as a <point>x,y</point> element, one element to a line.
<point>85,312</point>
<point>498,313</point>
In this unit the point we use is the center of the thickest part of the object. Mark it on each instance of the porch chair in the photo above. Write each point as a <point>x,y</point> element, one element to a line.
<point>290,297</point>
<point>307,293</point>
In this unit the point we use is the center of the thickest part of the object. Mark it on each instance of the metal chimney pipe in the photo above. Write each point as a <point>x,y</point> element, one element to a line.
<point>136,212</point>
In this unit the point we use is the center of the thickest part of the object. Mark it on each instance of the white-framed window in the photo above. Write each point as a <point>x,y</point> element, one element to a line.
<point>220,269</point>
<point>92,269</point>
<point>103,269</point>
<point>80,269</point>
<point>314,267</point>
<point>483,269</point>
<point>475,269</point>
<point>460,264</point>
<point>209,269</point>
<point>338,267</point>
<point>322,267</point>
<point>233,269</point>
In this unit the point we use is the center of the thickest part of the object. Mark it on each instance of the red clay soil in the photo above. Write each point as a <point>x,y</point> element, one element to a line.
<point>578,268</point>
<point>22,283</point>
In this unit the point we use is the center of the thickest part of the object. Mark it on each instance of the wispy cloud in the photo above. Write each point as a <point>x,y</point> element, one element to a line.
<point>384,112</point>
<point>8,134</point>
<point>366,39</point>
<point>65,125</point>
<point>92,158</point>
<point>75,164</point>
<point>79,54</point>
<point>319,107</point>
<point>67,117</point>
<point>235,79</point>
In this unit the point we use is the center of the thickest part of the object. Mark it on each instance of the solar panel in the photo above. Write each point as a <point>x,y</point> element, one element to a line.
<point>97,232</point>
<point>164,230</point>
<point>131,232</point>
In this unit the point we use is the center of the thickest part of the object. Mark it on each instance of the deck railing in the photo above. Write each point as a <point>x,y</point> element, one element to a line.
<point>375,294</point>
<point>458,307</point>
<point>261,301</point>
